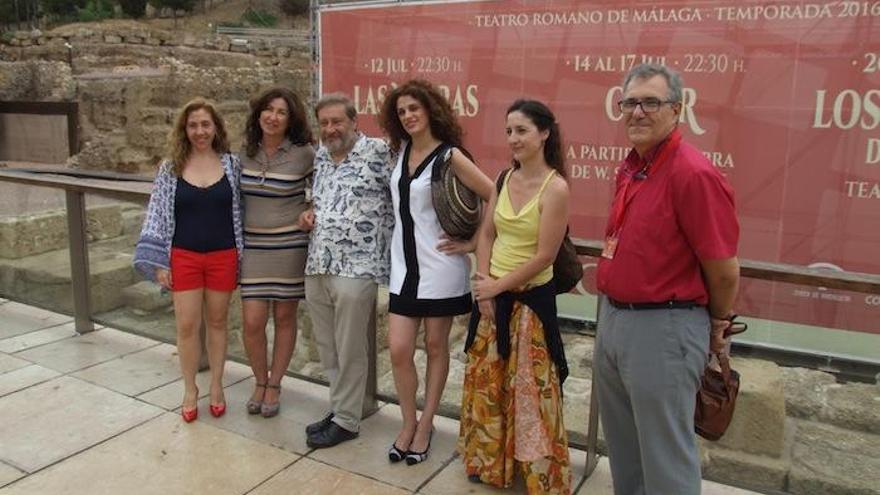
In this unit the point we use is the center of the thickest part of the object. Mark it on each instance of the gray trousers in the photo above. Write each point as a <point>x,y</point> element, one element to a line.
<point>649,364</point>
<point>340,311</point>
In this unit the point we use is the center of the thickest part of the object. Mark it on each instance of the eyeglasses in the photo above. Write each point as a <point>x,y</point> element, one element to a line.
<point>649,105</point>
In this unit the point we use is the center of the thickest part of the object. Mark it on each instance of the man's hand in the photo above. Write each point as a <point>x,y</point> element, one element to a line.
<point>718,343</point>
<point>163,276</point>
<point>306,221</point>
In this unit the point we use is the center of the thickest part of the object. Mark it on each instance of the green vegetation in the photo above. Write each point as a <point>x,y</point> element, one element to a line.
<point>95,10</point>
<point>259,18</point>
<point>294,7</point>
<point>133,8</point>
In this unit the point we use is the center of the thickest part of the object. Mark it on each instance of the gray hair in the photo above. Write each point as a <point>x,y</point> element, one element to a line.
<point>337,99</point>
<point>647,71</point>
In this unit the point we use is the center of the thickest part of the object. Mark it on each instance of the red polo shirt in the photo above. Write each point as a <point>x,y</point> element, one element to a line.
<point>682,213</point>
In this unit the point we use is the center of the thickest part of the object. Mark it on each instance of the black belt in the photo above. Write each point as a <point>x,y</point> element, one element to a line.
<point>655,305</point>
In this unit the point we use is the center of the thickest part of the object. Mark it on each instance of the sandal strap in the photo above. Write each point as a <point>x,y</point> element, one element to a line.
<point>263,385</point>
<point>274,387</point>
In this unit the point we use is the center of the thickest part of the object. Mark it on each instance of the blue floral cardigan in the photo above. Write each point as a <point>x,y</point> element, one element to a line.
<point>153,248</point>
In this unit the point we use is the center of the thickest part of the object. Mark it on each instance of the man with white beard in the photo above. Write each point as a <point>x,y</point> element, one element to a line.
<point>351,221</point>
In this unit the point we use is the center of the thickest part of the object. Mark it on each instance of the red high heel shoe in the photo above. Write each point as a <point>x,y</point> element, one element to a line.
<point>190,415</point>
<point>217,410</point>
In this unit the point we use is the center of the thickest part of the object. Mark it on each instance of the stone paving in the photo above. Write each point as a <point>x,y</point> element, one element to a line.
<point>98,414</point>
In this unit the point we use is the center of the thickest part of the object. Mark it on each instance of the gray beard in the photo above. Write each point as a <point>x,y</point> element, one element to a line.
<point>336,146</point>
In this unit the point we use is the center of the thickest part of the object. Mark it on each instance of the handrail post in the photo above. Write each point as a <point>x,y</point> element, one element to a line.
<point>371,405</point>
<point>593,419</point>
<point>79,261</point>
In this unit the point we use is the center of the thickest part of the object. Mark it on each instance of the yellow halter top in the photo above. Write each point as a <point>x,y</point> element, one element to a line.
<point>516,234</point>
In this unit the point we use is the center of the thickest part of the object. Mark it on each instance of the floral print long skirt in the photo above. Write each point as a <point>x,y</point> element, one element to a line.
<point>511,410</point>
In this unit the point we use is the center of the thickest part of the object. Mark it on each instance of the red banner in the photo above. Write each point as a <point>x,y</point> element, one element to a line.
<point>783,97</point>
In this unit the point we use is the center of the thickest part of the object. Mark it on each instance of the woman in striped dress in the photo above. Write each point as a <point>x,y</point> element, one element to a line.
<point>276,166</point>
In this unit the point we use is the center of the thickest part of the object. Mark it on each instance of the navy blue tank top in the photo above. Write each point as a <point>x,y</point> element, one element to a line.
<point>203,216</point>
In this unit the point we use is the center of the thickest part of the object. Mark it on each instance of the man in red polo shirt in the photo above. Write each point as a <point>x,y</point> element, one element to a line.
<point>669,276</point>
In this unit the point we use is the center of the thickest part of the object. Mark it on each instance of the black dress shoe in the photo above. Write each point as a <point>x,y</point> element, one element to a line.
<point>330,436</point>
<point>319,425</point>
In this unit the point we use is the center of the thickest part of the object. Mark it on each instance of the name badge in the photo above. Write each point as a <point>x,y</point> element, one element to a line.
<point>610,247</point>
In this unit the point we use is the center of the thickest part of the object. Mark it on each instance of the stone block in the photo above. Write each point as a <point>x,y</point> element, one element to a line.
<point>579,352</point>
<point>753,471</point>
<point>805,391</point>
<point>28,235</point>
<point>827,460</point>
<point>145,296</point>
<point>855,406</point>
<point>758,422</point>
<point>134,40</point>
<point>44,279</point>
<point>112,39</point>
<point>238,46</point>
<point>153,41</point>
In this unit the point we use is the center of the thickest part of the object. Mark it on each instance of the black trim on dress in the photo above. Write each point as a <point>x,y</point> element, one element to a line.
<point>452,306</point>
<point>410,287</point>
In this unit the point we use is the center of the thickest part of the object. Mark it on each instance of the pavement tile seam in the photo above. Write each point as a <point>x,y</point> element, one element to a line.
<point>71,373</point>
<point>16,466</point>
<point>437,472</point>
<point>362,475</point>
<point>98,327</point>
<point>78,452</point>
<point>32,384</point>
<point>276,473</point>
<point>30,363</point>
<point>55,325</point>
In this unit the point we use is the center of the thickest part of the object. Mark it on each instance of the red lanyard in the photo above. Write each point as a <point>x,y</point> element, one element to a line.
<point>625,193</point>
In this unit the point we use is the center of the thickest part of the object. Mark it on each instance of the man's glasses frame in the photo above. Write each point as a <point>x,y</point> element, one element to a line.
<point>649,105</point>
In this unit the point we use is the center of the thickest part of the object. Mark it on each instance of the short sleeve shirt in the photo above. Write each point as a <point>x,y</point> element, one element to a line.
<point>354,216</point>
<point>681,215</point>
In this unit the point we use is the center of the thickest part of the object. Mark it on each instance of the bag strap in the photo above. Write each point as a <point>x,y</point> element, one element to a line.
<point>499,182</point>
<point>440,162</point>
<point>724,362</point>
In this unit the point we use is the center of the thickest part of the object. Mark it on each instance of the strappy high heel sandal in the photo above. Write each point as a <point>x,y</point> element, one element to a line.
<point>270,410</point>
<point>256,406</point>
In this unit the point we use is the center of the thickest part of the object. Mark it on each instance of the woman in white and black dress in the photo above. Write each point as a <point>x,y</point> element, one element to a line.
<point>429,272</point>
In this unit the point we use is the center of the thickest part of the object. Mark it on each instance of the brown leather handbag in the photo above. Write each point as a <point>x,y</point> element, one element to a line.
<point>716,398</point>
<point>457,207</point>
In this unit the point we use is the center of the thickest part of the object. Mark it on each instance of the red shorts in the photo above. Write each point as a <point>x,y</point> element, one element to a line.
<point>214,270</point>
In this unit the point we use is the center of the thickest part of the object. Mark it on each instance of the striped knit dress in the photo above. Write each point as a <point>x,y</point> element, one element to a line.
<point>273,195</point>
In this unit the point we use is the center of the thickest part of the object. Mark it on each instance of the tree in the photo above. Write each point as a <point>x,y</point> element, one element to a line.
<point>62,8</point>
<point>133,8</point>
<point>174,5</point>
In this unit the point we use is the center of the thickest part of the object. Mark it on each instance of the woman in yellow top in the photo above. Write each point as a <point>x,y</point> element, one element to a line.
<point>511,414</point>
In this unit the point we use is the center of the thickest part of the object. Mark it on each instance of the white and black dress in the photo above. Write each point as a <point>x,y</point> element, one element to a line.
<point>424,281</point>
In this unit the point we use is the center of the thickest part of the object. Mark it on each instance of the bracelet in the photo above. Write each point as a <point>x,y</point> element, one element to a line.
<point>730,317</point>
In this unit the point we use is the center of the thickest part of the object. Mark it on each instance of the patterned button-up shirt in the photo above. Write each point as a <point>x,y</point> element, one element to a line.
<point>354,216</point>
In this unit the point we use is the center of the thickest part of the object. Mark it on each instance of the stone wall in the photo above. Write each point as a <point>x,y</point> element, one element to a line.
<point>26,44</point>
<point>130,81</point>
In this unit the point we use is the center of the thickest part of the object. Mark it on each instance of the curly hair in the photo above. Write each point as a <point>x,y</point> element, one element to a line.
<point>544,120</point>
<point>179,147</point>
<point>441,117</point>
<point>298,130</point>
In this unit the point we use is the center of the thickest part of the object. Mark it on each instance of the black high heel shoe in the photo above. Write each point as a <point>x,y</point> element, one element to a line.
<point>413,458</point>
<point>395,454</point>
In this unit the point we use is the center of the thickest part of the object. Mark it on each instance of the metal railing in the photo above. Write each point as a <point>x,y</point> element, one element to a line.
<point>137,188</point>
